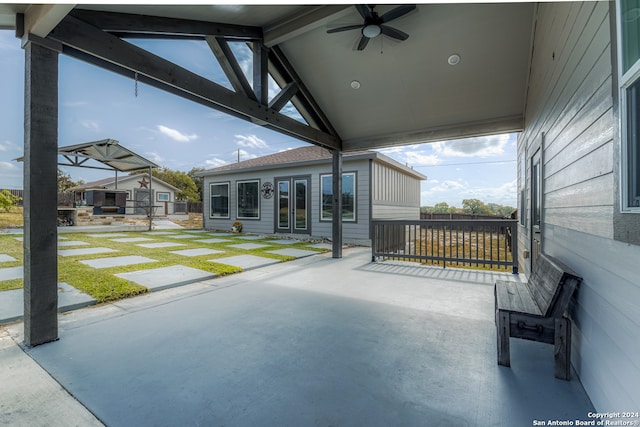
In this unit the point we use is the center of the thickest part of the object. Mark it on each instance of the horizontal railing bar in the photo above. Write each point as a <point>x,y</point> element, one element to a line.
<point>440,241</point>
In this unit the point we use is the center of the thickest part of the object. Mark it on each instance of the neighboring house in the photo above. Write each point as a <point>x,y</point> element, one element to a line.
<point>291,192</point>
<point>131,190</point>
<point>579,182</point>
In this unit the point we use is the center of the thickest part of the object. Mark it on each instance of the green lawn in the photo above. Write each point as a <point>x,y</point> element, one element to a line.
<point>103,285</point>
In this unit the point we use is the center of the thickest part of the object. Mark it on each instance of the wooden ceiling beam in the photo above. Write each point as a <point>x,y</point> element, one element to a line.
<point>82,37</point>
<point>132,25</point>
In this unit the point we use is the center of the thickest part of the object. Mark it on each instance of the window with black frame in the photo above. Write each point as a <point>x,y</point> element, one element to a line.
<point>219,200</point>
<point>348,197</point>
<point>249,199</point>
<point>629,80</point>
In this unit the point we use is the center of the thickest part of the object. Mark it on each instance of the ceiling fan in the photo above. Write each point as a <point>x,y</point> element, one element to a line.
<point>374,25</point>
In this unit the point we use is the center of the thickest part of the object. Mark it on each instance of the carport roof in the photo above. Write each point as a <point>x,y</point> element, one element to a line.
<point>106,151</point>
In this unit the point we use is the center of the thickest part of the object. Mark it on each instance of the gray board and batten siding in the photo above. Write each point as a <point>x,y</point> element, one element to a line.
<point>572,117</point>
<point>370,169</point>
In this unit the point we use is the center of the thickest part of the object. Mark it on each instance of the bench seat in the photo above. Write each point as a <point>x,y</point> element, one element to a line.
<point>536,311</point>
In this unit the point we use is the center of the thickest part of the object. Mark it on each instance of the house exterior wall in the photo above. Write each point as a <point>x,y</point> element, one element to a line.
<point>394,195</point>
<point>571,114</point>
<point>131,185</point>
<point>357,231</point>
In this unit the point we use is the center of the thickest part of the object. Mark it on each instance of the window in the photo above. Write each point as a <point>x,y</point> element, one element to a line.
<point>219,200</point>
<point>248,199</point>
<point>162,197</point>
<point>629,65</point>
<point>348,197</point>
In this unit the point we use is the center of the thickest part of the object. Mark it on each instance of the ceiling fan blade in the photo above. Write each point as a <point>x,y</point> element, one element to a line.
<point>393,33</point>
<point>364,11</point>
<point>397,12</point>
<point>363,43</point>
<point>347,28</point>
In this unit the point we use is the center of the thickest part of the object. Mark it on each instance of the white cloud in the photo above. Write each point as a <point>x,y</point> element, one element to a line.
<point>244,155</point>
<point>8,146</point>
<point>92,125</point>
<point>154,157</point>
<point>447,185</point>
<point>176,135</point>
<point>214,162</point>
<point>485,146</point>
<point>416,158</point>
<point>9,166</point>
<point>250,141</point>
<point>75,104</point>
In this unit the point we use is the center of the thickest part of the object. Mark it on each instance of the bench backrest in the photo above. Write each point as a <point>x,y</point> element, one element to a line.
<point>551,285</point>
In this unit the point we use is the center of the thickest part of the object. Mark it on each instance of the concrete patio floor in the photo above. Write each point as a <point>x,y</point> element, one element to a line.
<point>315,341</point>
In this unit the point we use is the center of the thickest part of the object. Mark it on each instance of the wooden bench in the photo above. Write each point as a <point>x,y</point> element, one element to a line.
<point>536,311</point>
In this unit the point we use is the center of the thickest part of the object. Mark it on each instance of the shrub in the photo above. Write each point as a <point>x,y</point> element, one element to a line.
<point>8,200</point>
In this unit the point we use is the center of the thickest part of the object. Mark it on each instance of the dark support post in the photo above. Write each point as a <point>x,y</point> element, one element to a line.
<point>261,73</point>
<point>40,195</point>
<point>337,204</point>
<point>150,200</point>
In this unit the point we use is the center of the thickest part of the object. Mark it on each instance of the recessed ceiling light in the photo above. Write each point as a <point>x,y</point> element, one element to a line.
<point>454,59</point>
<point>355,84</point>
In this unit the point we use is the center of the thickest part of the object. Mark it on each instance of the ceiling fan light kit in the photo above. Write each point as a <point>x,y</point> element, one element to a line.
<point>373,24</point>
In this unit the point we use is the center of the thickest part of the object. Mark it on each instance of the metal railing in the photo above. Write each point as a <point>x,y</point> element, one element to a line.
<point>486,244</point>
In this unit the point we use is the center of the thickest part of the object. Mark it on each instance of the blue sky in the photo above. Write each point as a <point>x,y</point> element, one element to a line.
<point>178,134</point>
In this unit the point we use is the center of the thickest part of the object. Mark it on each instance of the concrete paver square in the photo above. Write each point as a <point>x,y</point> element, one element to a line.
<point>250,237</point>
<point>181,236</point>
<point>248,246</point>
<point>322,246</point>
<point>166,277</point>
<point>246,262</point>
<point>6,258</point>
<point>298,253</point>
<point>220,234</point>
<point>160,233</point>
<point>11,273</point>
<point>85,251</point>
<point>214,240</point>
<point>72,243</point>
<point>197,252</point>
<point>69,298</point>
<point>195,231</point>
<point>160,245</point>
<point>132,239</point>
<point>284,241</point>
<point>98,235</point>
<point>117,261</point>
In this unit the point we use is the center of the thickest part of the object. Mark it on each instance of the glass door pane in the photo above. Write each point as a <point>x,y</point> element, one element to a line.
<point>283,204</point>
<point>301,204</point>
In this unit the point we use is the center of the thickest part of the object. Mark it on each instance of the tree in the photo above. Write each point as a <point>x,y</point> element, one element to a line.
<point>187,188</point>
<point>475,207</point>
<point>198,180</point>
<point>65,182</point>
<point>8,200</point>
<point>443,207</point>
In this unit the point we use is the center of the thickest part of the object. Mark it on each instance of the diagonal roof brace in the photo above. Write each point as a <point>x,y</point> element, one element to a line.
<point>113,53</point>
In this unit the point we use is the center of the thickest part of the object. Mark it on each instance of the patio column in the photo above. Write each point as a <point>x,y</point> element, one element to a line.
<point>40,191</point>
<point>337,204</point>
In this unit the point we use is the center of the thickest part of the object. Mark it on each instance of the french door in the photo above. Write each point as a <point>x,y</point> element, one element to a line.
<point>293,207</point>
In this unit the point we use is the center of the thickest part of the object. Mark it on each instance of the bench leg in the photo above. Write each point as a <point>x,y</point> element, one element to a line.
<point>502,331</point>
<point>562,350</point>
